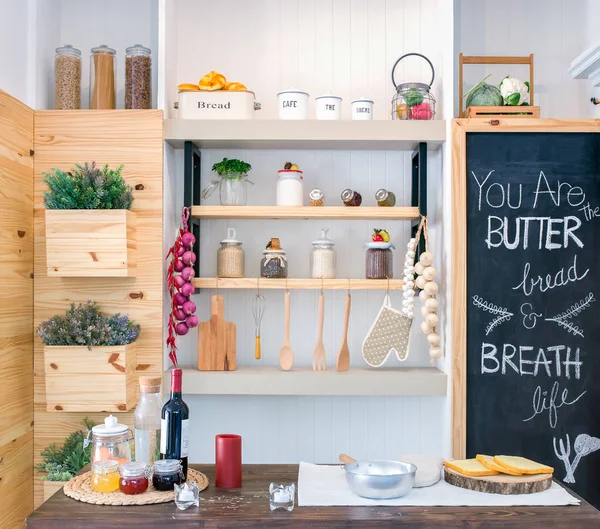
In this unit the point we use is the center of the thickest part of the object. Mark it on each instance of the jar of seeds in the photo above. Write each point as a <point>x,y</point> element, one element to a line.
<point>230,256</point>
<point>274,263</point>
<point>138,77</point>
<point>316,197</point>
<point>67,78</point>
<point>102,77</point>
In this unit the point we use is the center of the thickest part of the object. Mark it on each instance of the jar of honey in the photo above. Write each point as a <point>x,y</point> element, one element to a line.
<point>105,476</point>
<point>134,478</point>
<point>166,473</point>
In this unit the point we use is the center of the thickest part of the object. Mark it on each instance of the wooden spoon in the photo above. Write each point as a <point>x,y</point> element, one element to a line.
<point>286,353</point>
<point>318,359</point>
<point>343,357</point>
<point>345,459</point>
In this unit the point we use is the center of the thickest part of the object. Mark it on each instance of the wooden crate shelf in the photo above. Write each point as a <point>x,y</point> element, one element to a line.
<point>296,283</point>
<point>306,212</point>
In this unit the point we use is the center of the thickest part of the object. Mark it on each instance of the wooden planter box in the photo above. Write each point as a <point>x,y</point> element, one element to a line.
<point>50,487</point>
<point>502,112</point>
<point>102,379</point>
<point>90,243</point>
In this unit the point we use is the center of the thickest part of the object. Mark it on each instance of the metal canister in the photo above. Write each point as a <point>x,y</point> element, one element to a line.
<point>316,197</point>
<point>351,198</point>
<point>385,198</point>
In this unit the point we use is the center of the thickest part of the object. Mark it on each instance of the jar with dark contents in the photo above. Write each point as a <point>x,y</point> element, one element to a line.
<point>316,197</point>
<point>166,473</point>
<point>134,478</point>
<point>385,198</point>
<point>379,261</point>
<point>138,77</point>
<point>351,198</point>
<point>274,264</point>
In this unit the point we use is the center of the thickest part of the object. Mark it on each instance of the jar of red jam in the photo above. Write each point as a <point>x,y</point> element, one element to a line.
<point>134,478</point>
<point>166,473</point>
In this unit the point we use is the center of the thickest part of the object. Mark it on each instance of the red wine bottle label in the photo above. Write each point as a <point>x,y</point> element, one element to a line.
<point>163,436</point>
<point>185,437</point>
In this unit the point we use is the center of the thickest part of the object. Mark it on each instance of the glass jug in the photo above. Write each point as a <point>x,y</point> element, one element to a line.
<point>110,441</point>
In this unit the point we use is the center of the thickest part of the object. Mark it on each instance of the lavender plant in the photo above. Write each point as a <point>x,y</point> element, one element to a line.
<point>84,324</point>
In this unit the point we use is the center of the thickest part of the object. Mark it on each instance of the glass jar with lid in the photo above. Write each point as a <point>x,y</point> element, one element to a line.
<point>322,258</point>
<point>385,198</point>
<point>105,476</point>
<point>147,421</point>
<point>103,65</point>
<point>67,78</point>
<point>274,264</point>
<point>230,256</point>
<point>110,441</point>
<point>166,473</point>
<point>134,478</point>
<point>351,198</point>
<point>379,260</point>
<point>138,77</point>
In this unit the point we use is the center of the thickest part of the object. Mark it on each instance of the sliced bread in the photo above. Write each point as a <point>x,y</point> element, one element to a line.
<point>488,461</point>
<point>522,464</point>
<point>470,467</point>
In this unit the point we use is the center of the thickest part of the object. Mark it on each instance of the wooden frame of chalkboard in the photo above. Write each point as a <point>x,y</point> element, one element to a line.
<point>460,129</point>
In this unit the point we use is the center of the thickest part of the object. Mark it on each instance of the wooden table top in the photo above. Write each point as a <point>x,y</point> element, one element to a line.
<point>248,508</point>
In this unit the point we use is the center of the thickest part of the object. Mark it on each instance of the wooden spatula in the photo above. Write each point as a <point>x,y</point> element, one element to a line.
<point>343,357</point>
<point>318,359</point>
<point>286,353</point>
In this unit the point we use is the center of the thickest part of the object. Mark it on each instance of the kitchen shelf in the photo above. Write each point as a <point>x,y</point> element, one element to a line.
<point>269,380</point>
<point>305,134</point>
<point>306,212</point>
<point>298,283</point>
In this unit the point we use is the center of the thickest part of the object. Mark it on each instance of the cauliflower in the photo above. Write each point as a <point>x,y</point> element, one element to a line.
<point>514,92</point>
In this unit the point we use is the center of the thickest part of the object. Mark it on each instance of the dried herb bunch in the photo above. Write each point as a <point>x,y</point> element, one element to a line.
<point>84,324</point>
<point>87,187</point>
<point>61,464</point>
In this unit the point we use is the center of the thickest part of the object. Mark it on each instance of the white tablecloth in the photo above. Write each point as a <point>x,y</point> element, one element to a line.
<point>325,485</point>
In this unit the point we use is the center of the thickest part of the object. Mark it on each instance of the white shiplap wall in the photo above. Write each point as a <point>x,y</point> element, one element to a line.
<point>348,48</point>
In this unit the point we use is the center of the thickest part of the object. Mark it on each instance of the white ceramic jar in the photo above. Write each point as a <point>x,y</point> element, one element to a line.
<point>329,107</point>
<point>292,104</point>
<point>362,109</point>
<point>289,188</point>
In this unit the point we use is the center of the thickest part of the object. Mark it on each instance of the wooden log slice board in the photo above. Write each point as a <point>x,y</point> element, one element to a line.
<point>500,483</point>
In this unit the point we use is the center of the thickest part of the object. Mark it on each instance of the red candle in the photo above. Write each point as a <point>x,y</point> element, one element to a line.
<point>228,458</point>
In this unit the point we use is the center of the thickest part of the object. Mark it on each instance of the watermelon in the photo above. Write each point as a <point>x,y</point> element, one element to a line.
<point>484,95</point>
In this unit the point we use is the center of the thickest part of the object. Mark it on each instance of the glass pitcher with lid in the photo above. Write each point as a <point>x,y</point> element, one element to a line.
<point>110,441</point>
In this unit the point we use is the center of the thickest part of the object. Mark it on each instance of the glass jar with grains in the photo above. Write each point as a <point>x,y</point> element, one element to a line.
<point>274,264</point>
<point>102,77</point>
<point>230,256</point>
<point>317,198</point>
<point>138,77</point>
<point>322,258</point>
<point>67,78</point>
<point>385,198</point>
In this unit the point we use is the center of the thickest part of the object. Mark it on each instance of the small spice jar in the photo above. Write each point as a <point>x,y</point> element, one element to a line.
<point>105,476</point>
<point>322,258</point>
<point>134,478</point>
<point>351,198</point>
<point>67,78</point>
<point>385,198</point>
<point>316,197</point>
<point>138,77</point>
<point>166,473</point>
<point>379,260</point>
<point>230,256</point>
<point>102,77</point>
<point>274,263</point>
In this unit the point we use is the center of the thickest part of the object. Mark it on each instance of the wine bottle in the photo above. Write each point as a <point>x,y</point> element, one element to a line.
<point>174,425</point>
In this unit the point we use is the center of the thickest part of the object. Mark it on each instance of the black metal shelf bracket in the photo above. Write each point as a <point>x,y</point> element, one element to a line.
<point>191,192</point>
<point>419,189</point>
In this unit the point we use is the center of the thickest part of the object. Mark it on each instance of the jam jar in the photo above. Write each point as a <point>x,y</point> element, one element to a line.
<point>230,256</point>
<point>134,478</point>
<point>379,261</point>
<point>166,473</point>
<point>385,198</point>
<point>110,440</point>
<point>274,264</point>
<point>351,198</point>
<point>105,476</point>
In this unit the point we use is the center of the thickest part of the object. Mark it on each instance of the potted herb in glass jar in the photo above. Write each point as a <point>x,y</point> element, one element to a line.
<point>232,182</point>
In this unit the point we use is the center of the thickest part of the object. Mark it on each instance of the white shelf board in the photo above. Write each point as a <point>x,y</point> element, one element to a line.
<point>305,134</point>
<point>270,380</point>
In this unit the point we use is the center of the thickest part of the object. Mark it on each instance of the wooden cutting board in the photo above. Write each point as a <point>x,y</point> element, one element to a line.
<point>216,340</point>
<point>500,483</point>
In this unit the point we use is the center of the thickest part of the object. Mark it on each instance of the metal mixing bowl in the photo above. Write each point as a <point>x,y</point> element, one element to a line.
<point>380,480</point>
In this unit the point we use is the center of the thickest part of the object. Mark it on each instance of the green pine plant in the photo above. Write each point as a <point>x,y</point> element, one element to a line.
<point>87,187</point>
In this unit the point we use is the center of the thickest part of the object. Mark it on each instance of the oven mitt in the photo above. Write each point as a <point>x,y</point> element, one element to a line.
<point>390,332</point>
<point>429,468</point>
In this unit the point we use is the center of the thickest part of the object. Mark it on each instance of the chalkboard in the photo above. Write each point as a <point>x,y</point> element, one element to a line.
<point>533,301</point>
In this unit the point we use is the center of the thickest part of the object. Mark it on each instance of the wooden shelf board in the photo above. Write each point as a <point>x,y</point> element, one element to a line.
<point>298,283</point>
<point>306,212</point>
<point>270,380</point>
<point>305,134</point>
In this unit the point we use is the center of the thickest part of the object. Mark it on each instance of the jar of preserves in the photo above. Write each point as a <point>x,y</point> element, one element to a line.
<point>105,476</point>
<point>134,478</point>
<point>110,441</point>
<point>316,197</point>
<point>385,198</point>
<point>102,77</point>
<point>67,78</point>
<point>230,256</point>
<point>166,473</point>
<point>289,188</point>
<point>351,198</point>
<point>379,260</point>
<point>274,263</point>
<point>138,77</point>
<point>322,258</point>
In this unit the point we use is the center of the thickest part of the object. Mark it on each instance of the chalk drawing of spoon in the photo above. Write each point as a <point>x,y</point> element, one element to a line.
<point>529,317</point>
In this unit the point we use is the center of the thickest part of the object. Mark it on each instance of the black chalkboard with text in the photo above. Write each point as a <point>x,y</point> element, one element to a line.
<point>533,301</point>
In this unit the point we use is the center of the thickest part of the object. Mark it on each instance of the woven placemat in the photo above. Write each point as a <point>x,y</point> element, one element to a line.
<point>80,488</point>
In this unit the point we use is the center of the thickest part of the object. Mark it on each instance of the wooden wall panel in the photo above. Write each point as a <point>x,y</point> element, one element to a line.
<point>132,138</point>
<point>16,311</point>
